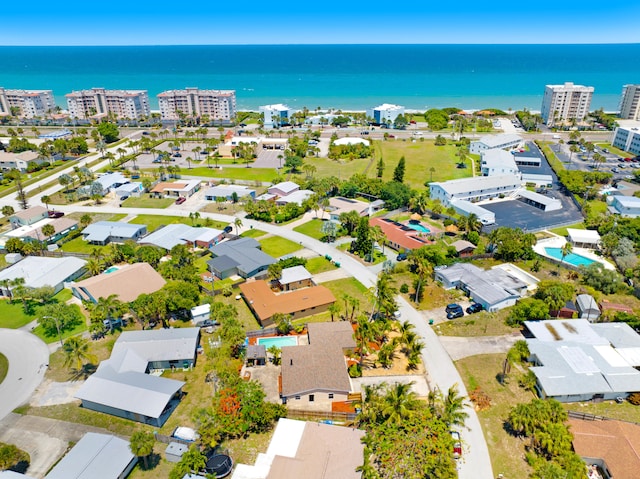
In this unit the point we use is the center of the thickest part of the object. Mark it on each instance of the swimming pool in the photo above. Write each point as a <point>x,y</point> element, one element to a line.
<point>418,227</point>
<point>111,269</point>
<point>571,258</point>
<point>278,341</point>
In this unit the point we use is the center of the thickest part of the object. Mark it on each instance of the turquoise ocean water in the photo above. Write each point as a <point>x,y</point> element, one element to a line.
<point>339,76</point>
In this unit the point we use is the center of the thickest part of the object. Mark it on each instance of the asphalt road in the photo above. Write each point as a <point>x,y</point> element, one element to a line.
<point>28,359</point>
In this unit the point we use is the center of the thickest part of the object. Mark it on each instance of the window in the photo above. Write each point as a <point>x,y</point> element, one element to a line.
<point>312,397</point>
<point>297,397</point>
<point>330,395</point>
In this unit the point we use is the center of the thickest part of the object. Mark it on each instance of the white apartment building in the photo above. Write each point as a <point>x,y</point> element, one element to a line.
<point>98,103</point>
<point>218,105</point>
<point>498,162</point>
<point>385,113</point>
<point>275,115</point>
<point>29,103</point>
<point>566,102</point>
<point>492,142</point>
<point>626,137</point>
<point>630,102</point>
<point>478,188</point>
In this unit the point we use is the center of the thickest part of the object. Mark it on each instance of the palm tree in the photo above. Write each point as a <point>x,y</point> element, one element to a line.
<point>554,439</point>
<point>333,310</point>
<point>387,353</point>
<point>453,412</point>
<point>423,269</point>
<point>141,445</point>
<point>566,250</point>
<point>76,350</point>
<point>473,223</point>
<point>238,224</point>
<point>399,403</point>
<point>46,200</point>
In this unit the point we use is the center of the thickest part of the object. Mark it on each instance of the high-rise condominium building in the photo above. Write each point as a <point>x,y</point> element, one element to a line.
<point>630,102</point>
<point>26,103</point>
<point>566,102</point>
<point>98,102</point>
<point>218,105</point>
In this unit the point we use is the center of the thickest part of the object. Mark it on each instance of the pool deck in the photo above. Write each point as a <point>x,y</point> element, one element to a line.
<point>559,241</point>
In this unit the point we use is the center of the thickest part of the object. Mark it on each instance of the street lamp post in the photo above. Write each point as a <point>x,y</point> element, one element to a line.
<point>57,327</point>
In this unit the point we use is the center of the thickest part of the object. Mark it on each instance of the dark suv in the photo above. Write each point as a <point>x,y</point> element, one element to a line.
<point>454,311</point>
<point>475,308</point>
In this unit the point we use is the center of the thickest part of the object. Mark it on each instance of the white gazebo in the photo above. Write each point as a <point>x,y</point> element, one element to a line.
<point>584,238</point>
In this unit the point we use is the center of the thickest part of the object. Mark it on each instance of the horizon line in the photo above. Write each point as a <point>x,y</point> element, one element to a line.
<point>312,44</point>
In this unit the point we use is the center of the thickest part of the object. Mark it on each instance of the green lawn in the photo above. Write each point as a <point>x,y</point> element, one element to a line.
<point>4,367</point>
<point>147,202</point>
<point>250,174</point>
<point>253,233</point>
<point>614,150</point>
<point>420,157</point>
<point>78,245</point>
<point>153,222</point>
<point>563,231</point>
<point>311,228</point>
<point>342,169</point>
<point>38,331</point>
<point>277,246</point>
<point>12,316</point>
<point>319,265</point>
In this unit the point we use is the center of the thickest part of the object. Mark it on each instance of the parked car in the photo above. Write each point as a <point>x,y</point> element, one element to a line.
<point>207,323</point>
<point>124,197</point>
<point>401,257</point>
<point>177,155</point>
<point>228,229</point>
<point>475,308</point>
<point>454,311</point>
<point>56,214</point>
<point>457,445</point>
<point>180,200</point>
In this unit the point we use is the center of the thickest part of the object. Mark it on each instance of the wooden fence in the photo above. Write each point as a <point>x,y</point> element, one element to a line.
<point>262,332</point>
<point>167,439</point>
<point>320,415</point>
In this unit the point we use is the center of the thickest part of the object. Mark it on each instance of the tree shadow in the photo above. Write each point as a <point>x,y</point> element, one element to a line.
<point>83,373</point>
<point>20,467</point>
<point>151,463</point>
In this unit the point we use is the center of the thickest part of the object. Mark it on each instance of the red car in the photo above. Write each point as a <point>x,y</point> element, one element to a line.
<point>180,200</point>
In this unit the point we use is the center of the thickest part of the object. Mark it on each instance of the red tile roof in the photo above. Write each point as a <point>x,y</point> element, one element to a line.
<point>395,233</point>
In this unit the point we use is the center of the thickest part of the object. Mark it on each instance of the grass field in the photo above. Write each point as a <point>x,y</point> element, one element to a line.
<point>147,202</point>
<point>340,168</point>
<point>38,331</point>
<point>253,233</point>
<point>479,324</point>
<point>277,246</point>
<point>78,245</point>
<point>154,222</point>
<point>249,174</point>
<point>12,316</point>
<point>319,265</point>
<point>420,157</point>
<point>614,150</point>
<point>311,228</point>
<point>4,367</point>
<point>506,451</point>
<point>563,231</point>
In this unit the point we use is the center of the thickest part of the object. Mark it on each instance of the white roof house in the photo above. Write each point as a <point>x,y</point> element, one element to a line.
<point>103,232</point>
<point>96,456</point>
<point>297,197</point>
<point>294,275</point>
<point>478,188</point>
<point>628,206</point>
<point>111,181</point>
<point>577,361</point>
<point>39,271</point>
<point>587,307</point>
<point>351,141</point>
<point>490,142</point>
<point>227,191</point>
<point>585,238</point>
<point>284,188</point>
<point>498,162</point>
<point>171,235</point>
<point>199,313</point>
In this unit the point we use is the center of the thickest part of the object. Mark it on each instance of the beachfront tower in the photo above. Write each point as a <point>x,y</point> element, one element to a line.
<point>385,114</point>
<point>99,103</point>
<point>566,103</point>
<point>630,102</point>
<point>26,103</point>
<point>275,115</point>
<point>219,106</point>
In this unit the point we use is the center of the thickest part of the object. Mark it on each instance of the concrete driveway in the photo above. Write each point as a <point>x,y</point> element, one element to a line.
<point>28,359</point>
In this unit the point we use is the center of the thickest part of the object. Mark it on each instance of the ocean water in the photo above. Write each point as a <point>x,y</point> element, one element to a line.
<point>338,76</point>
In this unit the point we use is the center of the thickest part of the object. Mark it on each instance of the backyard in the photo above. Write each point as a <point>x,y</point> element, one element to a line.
<point>147,202</point>
<point>277,246</point>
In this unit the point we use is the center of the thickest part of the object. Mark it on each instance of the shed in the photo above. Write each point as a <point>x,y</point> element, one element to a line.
<point>464,248</point>
<point>200,313</point>
<point>256,354</point>
<point>583,238</point>
<point>12,258</point>
<point>587,307</point>
<point>174,451</point>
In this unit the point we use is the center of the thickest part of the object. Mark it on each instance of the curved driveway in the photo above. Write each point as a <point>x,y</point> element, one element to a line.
<point>28,359</point>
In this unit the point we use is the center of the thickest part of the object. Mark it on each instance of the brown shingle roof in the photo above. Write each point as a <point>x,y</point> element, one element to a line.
<point>59,224</point>
<point>30,212</point>
<point>320,365</point>
<point>127,283</point>
<point>616,442</point>
<point>266,303</point>
<point>163,185</point>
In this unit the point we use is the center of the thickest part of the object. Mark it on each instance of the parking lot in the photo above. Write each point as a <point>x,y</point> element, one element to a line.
<point>149,160</point>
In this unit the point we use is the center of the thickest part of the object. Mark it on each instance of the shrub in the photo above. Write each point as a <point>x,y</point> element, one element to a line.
<point>404,288</point>
<point>355,371</point>
<point>634,398</point>
<point>480,399</point>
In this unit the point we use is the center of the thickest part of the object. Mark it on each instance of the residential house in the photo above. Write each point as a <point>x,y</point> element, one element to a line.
<point>627,206</point>
<point>134,189</point>
<point>200,313</point>
<point>611,446</point>
<point>28,217</point>
<point>61,228</point>
<point>38,271</point>
<point>495,142</point>
<point>294,278</point>
<point>339,205</point>
<point>314,376</point>
<point>575,360</point>
<point>494,289</point>
<point>111,181</point>
<point>274,116</point>
<point>121,386</point>
<point>172,235</point>
<point>105,232</point>
<point>225,192</point>
<point>568,311</point>
<point>584,238</point>
<point>242,257</point>
<point>399,236</point>
<point>127,283</point>
<point>264,303</point>
<point>19,161</point>
<point>177,189</point>
<point>256,355</point>
<point>96,456</point>
<point>284,188</point>
<point>298,197</point>
<point>464,248</point>
<point>308,449</point>
<point>587,307</point>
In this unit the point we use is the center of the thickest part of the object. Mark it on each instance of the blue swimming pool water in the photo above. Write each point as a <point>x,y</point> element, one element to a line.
<point>110,269</point>
<point>278,341</point>
<point>572,258</point>
<point>418,227</point>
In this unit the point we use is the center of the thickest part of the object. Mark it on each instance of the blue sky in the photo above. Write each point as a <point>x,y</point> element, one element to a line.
<point>143,22</point>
